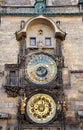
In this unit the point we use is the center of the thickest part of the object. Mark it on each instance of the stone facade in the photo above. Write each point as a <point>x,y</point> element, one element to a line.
<point>48,2</point>
<point>72,49</point>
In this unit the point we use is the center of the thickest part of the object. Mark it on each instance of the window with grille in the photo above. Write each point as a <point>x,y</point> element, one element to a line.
<point>48,41</point>
<point>32,41</point>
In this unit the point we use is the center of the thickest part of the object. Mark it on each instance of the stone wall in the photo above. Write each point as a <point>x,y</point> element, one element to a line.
<point>49,2</point>
<point>73,57</point>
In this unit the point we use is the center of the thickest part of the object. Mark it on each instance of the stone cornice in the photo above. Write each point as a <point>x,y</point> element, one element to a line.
<point>30,11</point>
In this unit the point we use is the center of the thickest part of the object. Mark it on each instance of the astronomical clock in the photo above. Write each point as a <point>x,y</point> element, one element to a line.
<point>41,69</point>
<point>42,79</point>
<point>37,77</point>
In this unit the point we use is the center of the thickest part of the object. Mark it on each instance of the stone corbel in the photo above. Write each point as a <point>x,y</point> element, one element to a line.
<point>20,35</point>
<point>59,33</point>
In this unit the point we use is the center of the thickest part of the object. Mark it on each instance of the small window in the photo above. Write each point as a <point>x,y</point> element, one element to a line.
<point>33,41</point>
<point>12,73</point>
<point>48,41</point>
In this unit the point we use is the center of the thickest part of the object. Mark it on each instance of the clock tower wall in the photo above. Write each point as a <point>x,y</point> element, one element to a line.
<point>71,54</point>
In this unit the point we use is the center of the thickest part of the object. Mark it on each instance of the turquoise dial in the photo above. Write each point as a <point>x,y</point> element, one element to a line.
<point>41,69</point>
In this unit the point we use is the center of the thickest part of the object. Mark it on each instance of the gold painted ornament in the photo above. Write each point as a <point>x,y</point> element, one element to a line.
<point>41,108</point>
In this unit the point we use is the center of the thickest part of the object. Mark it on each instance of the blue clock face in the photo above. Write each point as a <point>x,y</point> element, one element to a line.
<point>41,69</point>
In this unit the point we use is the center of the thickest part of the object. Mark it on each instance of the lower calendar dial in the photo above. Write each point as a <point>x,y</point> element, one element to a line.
<point>41,108</point>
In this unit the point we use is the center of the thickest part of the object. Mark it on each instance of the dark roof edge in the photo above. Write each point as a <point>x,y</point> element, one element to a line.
<point>53,14</point>
<point>20,6</point>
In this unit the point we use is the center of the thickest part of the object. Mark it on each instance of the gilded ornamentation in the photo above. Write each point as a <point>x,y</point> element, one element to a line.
<point>41,108</point>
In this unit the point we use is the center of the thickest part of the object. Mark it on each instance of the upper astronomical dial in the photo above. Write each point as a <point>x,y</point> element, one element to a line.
<point>41,69</point>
